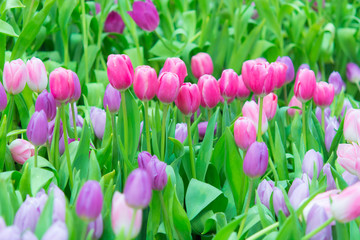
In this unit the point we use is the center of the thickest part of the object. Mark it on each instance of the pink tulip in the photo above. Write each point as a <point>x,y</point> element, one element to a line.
<point>324,94</point>
<point>201,64</point>
<point>21,150</point>
<point>305,85</point>
<point>244,133</point>
<point>270,105</point>
<point>169,85</point>
<point>349,157</point>
<point>242,91</point>
<point>251,111</point>
<point>209,90</point>
<point>188,100</point>
<point>345,207</point>
<point>37,80</point>
<point>61,84</point>
<point>145,83</point>
<point>120,71</point>
<point>228,84</point>
<point>177,66</point>
<point>352,125</point>
<point>294,102</point>
<point>279,73</point>
<point>322,200</point>
<point>15,76</point>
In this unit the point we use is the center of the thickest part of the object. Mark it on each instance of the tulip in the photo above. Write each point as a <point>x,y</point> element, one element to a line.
<point>324,94</point>
<point>138,189</point>
<point>112,99</point>
<point>294,102</point>
<point>322,200</point>
<point>353,72</point>
<point>59,207</point>
<point>98,120</point>
<point>330,182</point>
<point>122,215</point>
<point>15,76</point>
<point>346,106</point>
<point>290,71</point>
<point>201,64</point>
<point>279,202</point>
<point>298,192</point>
<point>346,206</point>
<point>21,150</point>
<point>349,157</point>
<point>176,66</point>
<point>157,172</point>
<point>36,132</point>
<point>303,66</point>
<point>10,233</point>
<point>77,88</point>
<point>188,99</point>
<point>61,84</point>
<point>62,144</point>
<point>2,223</point>
<point>316,217</point>
<point>349,178</point>
<point>336,80</point>
<point>143,159</point>
<point>202,126</point>
<point>265,189</point>
<point>37,80</point>
<point>120,71</point>
<point>169,85</point>
<point>279,73</point>
<point>145,83</point>
<point>90,200</point>
<point>3,98</point>
<point>51,126</point>
<point>312,159</point>
<point>28,235</point>
<point>145,15</point>
<point>181,132</point>
<point>270,105</point>
<point>352,125</point>
<point>79,121</point>
<point>97,227</point>
<point>242,91</point>
<point>114,23</point>
<point>251,111</point>
<point>305,85</point>
<point>327,113</point>
<point>330,132</point>
<point>244,133</point>
<point>256,160</point>
<point>58,231</point>
<point>46,102</point>
<point>228,84</point>
<point>209,91</point>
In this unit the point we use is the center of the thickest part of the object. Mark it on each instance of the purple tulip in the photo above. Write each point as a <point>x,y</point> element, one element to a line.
<point>346,106</point>
<point>90,200</point>
<point>304,66</point>
<point>28,235</point>
<point>10,233</point>
<point>62,144</point>
<point>298,192</point>
<point>79,120</point>
<point>77,88</point>
<point>97,226</point>
<point>51,126</point>
<point>290,72</point>
<point>202,126</point>
<point>98,120</point>
<point>265,189</point>
<point>353,72</point>
<point>143,159</point>
<point>256,160</point>
<point>312,159</point>
<point>138,189</point>
<point>349,178</point>
<point>36,132</point>
<point>114,23</point>
<point>279,202</point>
<point>46,102</point>
<point>330,182</point>
<point>97,8</point>
<point>306,179</point>
<point>327,113</point>
<point>330,132</point>
<point>181,132</point>
<point>157,172</point>
<point>112,99</point>
<point>316,217</point>
<point>3,98</point>
<point>57,231</point>
<point>59,207</point>
<point>145,15</point>
<point>336,80</point>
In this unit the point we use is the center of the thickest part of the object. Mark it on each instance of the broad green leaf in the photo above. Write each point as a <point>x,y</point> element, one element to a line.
<point>40,178</point>
<point>6,209</point>
<point>347,42</point>
<point>226,231</point>
<point>25,182</point>
<point>81,160</point>
<point>7,29</point>
<point>92,53</point>
<point>280,159</point>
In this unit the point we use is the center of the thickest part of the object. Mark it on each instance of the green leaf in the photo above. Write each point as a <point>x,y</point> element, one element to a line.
<point>46,217</point>
<point>22,108</point>
<point>215,223</point>
<point>25,185</point>
<point>347,42</point>
<point>94,168</point>
<point>280,159</point>
<point>6,209</point>
<point>180,219</point>
<point>39,179</point>
<point>265,10</point>
<point>337,138</point>
<point>226,231</point>
<point>81,160</point>
<point>95,94</point>
<point>92,53</point>
<point>7,29</point>
<point>3,131</point>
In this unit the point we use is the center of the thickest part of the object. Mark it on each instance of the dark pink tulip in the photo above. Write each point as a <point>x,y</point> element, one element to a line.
<point>61,84</point>
<point>177,66</point>
<point>169,85</point>
<point>201,64</point>
<point>15,76</point>
<point>112,99</point>
<point>114,23</point>
<point>305,85</point>
<point>188,100</point>
<point>324,94</point>
<point>242,91</point>
<point>209,90</point>
<point>294,102</point>
<point>145,15</point>
<point>244,133</point>
<point>279,73</point>
<point>145,83</point>
<point>3,98</point>
<point>256,160</point>
<point>90,201</point>
<point>120,71</point>
<point>228,84</point>
<point>270,105</point>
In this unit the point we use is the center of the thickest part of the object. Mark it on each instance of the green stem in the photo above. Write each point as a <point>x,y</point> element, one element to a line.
<point>276,176</point>
<point>115,155</point>
<point>259,132</point>
<point>242,225</point>
<point>285,94</point>
<point>35,156</point>
<point>2,50</point>
<point>323,119</point>
<point>264,231</point>
<point>209,114</point>
<point>128,237</point>
<point>166,217</point>
<point>123,99</point>
<point>316,231</point>
<point>11,113</point>
<point>74,120</point>
<point>85,40</point>
<point>66,51</point>
<point>163,131</point>
<point>147,126</point>
<point>304,122</point>
<point>192,157</point>
<point>67,153</point>
<point>48,152</point>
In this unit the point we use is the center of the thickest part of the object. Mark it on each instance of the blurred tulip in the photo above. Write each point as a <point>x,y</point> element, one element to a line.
<point>353,72</point>
<point>228,84</point>
<point>303,66</point>
<point>298,192</point>
<point>21,150</point>
<point>3,98</point>
<point>264,190</point>
<point>37,80</point>
<point>349,157</point>
<point>346,106</point>
<point>336,80</point>
<point>157,172</point>
<point>242,91</point>
<point>138,189</point>
<point>251,111</point>
<point>279,73</point>
<point>90,201</point>
<point>169,85</point>
<point>114,23</point>
<point>188,99</point>
<point>294,102</point>
<point>79,121</point>
<point>145,83</point>
<point>209,91</point>
<point>61,84</point>
<point>290,71</point>
<point>202,126</point>
<point>244,133</point>
<point>15,76</point>
<point>311,160</point>
<point>270,105</point>
<point>59,207</point>
<point>322,200</point>
<point>46,102</point>
<point>256,160</point>
<point>305,85</point>
<point>324,94</point>
<point>330,182</point>
<point>352,125</point>
<point>98,120</point>
<point>316,217</point>
<point>58,231</point>
<point>145,15</point>
<point>279,202</point>
<point>10,233</point>
<point>97,226</point>
<point>330,132</point>
<point>120,71</point>
<point>62,144</point>
<point>143,159</point>
<point>28,235</point>
<point>181,132</point>
<point>36,132</point>
<point>349,178</point>
<point>345,207</point>
<point>201,64</point>
<point>77,88</point>
<point>327,113</point>
<point>112,99</point>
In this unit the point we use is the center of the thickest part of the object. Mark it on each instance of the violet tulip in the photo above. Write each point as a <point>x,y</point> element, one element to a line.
<point>228,84</point>
<point>298,192</point>
<point>336,80</point>
<point>90,200</point>
<point>145,15</point>
<point>21,150</point>
<point>10,232</point>
<point>145,83</point>
<point>316,217</point>
<point>157,172</point>
<point>349,178</point>
<point>77,88</point>
<point>114,23</point>
<point>242,91</point>
<point>143,159</point>
<point>169,85</point>
<point>202,126</point>
<point>98,120</point>
<point>201,64</point>
<point>256,160</point>
<point>279,73</point>
<point>181,132</point>
<point>270,105</point>
<point>294,102</point>
<point>347,106</point>
<point>46,102</point>
<point>330,132</point>
<point>15,76</point>
<point>188,99</point>
<point>290,71</point>
<point>177,66</point>
<point>59,207</point>
<point>61,84</point>
<point>37,80</point>
<point>279,202</point>
<point>322,200</point>
<point>345,207</point>
<point>311,160</point>
<point>3,98</point>
<point>324,94</point>
<point>57,230</point>
<point>209,91</point>
<point>251,111</point>
<point>305,85</point>
<point>352,125</point>
<point>138,189</point>
<point>28,235</point>
<point>349,157</point>
<point>330,182</point>
<point>112,99</point>
<point>120,71</point>
<point>353,72</point>
<point>264,190</point>
<point>244,133</point>
<point>36,132</point>
<point>97,226</point>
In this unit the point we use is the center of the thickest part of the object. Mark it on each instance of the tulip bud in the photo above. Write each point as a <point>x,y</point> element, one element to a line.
<point>114,23</point>
<point>344,206</point>
<point>97,226</point>
<point>90,200</point>
<point>138,189</point>
<point>145,15</point>
<point>305,85</point>
<point>3,98</point>
<point>177,66</point>
<point>21,150</point>
<point>15,76</point>
<point>61,84</point>
<point>202,126</point>
<point>181,132</point>
<point>169,85</point>
<point>145,83</point>
<point>251,111</point>
<point>157,172</point>
<point>270,105</point>
<point>322,200</point>
<point>353,72</point>
<point>11,232</point>
<point>143,159</point>
<point>120,71</point>
<point>290,71</point>
<point>349,157</point>
<point>316,217</point>
<point>244,133</point>
<point>37,80</point>
<point>298,192</point>
<point>36,132</point>
<point>256,160</point>
<point>98,120</point>
<point>294,102</point>
<point>330,182</point>
<point>46,102</point>
<point>349,178</point>
<point>188,99</point>
<point>303,66</point>
<point>58,230</point>
<point>62,144</point>
<point>352,125</point>
<point>112,99</point>
<point>242,91</point>
<point>279,73</point>
<point>209,91</point>
<point>121,215</point>
<point>336,80</point>
<point>228,83</point>
<point>265,189</point>
<point>201,64</point>
<point>312,159</point>
<point>324,94</point>
<point>279,202</point>
<point>77,88</point>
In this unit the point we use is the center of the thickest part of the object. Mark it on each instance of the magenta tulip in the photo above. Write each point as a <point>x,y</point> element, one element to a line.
<point>305,85</point>
<point>270,105</point>
<point>290,72</point>
<point>61,84</point>
<point>242,91</point>
<point>209,90</point>
<point>177,66</point>
<point>145,15</point>
<point>294,102</point>
<point>120,71</point>
<point>145,83</point>
<point>324,94</point>
<point>279,73</point>
<point>169,85</point>
<point>244,133</point>
<point>228,84</point>
<point>188,99</point>
<point>201,64</point>
<point>114,23</point>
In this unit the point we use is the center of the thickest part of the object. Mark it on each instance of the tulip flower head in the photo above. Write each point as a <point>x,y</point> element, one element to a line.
<point>201,64</point>
<point>177,66</point>
<point>98,120</point>
<point>46,102</point>
<point>352,125</point>
<point>114,23</point>
<point>21,150</point>
<point>145,83</point>
<point>251,111</point>
<point>37,80</point>
<point>264,190</point>
<point>61,84</point>
<point>305,85</point>
<point>270,105</point>
<point>209,91</point>
<point>169,85</point>
<point>3,98</point>
<point>244,133</point>
<point>120,71</point>
<point>137,189</point>
<point>145,15</point>
<point>279,73</point>
<point>324,94</point>
<point>36,132</point>
<point>279,202</point>
<point>353,72</point>
<point>228,84</point>
<point>312,159</point>
<point>294,102</point>
<point>188,99</point>
<point>157,172</point>
<point>90,201</point>
<point>15,75</point>
<point>316,217</point>
<point>112,99</point>
<point>298,192</point>
<point>336,80</point>
<point>143,159</point>
<point>256,160</point>
<point>345,207</point>
<point>290,71</point>
<point>181,132</point>
<point>349,157</point>
<point>242,91</point>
